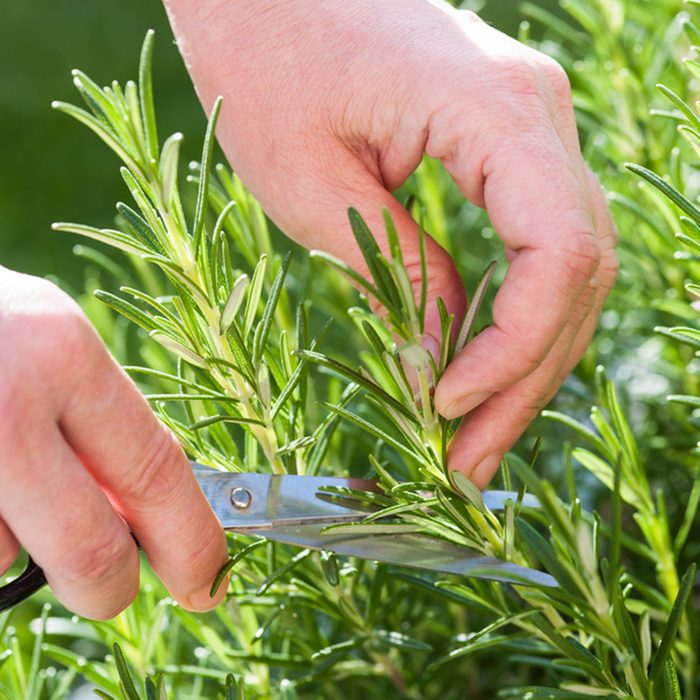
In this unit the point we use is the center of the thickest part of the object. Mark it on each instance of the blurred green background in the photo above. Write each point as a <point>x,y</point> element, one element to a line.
<point>53,169</point>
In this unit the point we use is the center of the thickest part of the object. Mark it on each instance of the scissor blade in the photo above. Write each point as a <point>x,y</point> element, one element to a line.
<point>496,500</point>
<point>261,501</point>
<point>244,500</point>
<point>287,508</point>
<point>411,550</point>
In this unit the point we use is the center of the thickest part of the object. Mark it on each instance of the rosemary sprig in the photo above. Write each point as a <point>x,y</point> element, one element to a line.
<point>218,323</point>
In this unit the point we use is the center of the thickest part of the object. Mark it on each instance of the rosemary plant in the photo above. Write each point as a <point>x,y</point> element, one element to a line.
<point>242,365</point>
<point>215,323</point>
<point>155,689</point>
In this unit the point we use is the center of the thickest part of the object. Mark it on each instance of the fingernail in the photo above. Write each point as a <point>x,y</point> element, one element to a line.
<point>458,407</point>
<point>484,471</point>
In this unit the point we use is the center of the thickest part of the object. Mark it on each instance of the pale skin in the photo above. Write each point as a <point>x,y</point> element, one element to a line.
<point>326,105</point>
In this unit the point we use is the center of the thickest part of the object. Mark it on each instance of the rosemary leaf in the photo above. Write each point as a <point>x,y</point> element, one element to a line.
<point>146,97</point>
<point>270,306</point>
<point>181,350</point>
<point>139,229</point>
<point>254,294</point>
<point>233,303</point>
<point>126,682</point>
<point>211,420</point>
<point>99,128</point>
<point>128,310</point>
<point>221,575</point>
<point>372,256</point>
<point>281,571</point>
<point>168,167</point>
<point>358,279</point>
<point>663,651</point>
<point>470,317</point>
<point>114,238</point>
<point>205,169</point>
<point>357,378</point>
<point>671,192</point>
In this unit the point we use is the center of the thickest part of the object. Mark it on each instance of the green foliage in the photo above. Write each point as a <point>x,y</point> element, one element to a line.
<point>236,355</point>
<point>155,689</point>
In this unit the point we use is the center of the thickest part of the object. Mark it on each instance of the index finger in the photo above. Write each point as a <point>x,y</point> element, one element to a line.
<point>147,477</point>
<point>538,201</point>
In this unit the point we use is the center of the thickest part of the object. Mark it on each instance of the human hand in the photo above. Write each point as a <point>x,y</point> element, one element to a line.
<point>81,455</point>
<point>333,104</point>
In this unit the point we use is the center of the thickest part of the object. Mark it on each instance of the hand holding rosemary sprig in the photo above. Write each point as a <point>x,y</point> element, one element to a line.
<point>81,452</point>
<point>402,373</point>
<point>388,106</point>
<point>398,379</point>
<point>331,105</point>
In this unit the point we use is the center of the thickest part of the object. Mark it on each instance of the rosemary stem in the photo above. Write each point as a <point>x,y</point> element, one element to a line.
<point>233,385</point>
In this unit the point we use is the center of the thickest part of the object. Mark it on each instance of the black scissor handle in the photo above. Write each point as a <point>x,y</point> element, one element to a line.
<point>26,584</point>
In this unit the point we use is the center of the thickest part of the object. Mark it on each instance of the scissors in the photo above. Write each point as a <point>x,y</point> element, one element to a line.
<point>296,510</point>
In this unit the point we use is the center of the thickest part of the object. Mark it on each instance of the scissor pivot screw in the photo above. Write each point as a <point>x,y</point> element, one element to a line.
<point>241,498</point>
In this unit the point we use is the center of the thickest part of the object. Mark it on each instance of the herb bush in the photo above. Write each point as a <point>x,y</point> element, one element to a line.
<point>231,342</point>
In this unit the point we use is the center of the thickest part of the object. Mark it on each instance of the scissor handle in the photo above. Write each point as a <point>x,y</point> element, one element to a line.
<point>26,584</point>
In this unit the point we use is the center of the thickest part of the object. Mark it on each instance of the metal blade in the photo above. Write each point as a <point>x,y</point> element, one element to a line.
<point>262,501</point>
<point>411,550</point>
<point>496,500</point>
<point>286,508</point>
<point>243,500</point>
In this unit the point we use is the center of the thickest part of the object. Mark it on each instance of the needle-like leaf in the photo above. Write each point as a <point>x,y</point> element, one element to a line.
<point>371,254</point>
<point>203,188</point>
<point>148,116</point>
<point>474,306</point>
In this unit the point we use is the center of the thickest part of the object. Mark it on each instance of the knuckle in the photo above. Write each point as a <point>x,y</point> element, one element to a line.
<point>524,351</point>
<point>532,404</point>
<point>581,257</point>
<point>532,398</point>
<point>154,480</point>
<point>536,79</point>
<point>96,559</point>
<point>56,340</point>
<point>609,268</point>
<point>70,335</point>
<point>555,78</point>
<point>521,77</point>
<point>43,321</point>
<point>530,358</point>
